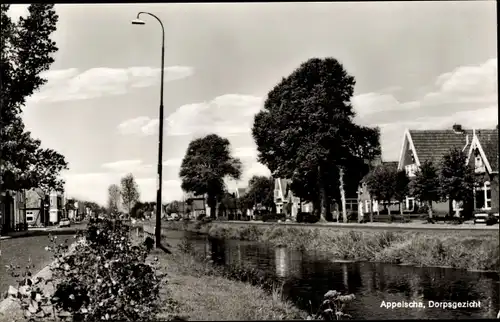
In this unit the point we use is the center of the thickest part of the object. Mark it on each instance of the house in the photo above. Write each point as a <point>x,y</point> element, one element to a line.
<point>283,196</point>
<point>366,204</point>
<point>483,157</point>
<point>12,215</point>
<point>419,146</point>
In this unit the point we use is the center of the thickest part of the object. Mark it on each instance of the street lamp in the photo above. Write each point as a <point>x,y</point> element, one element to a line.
<point>138,21</point>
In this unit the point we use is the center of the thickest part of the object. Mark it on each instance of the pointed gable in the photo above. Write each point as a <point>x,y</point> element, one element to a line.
<point>486,143</point>
<point>432,145</point>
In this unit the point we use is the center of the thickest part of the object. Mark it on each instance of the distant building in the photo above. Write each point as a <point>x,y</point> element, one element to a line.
<point>12,214</point>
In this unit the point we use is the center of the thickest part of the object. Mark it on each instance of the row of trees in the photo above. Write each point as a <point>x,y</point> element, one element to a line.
<point>452,179</point>
<point>126,196</point>
<point>306,132</point>
<point>26,52</point>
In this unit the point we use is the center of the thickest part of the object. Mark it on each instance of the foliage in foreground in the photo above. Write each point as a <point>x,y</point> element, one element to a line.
<point>104,277</point>
<point>333,306</point>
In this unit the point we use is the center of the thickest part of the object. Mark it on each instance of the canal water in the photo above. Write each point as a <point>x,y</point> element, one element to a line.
<point>307,277</point>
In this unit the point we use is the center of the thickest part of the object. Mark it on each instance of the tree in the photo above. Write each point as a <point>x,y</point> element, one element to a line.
<point>129,191</point>
<point>425,187</point>
<point>401,188</point>
<point>173,207</point>
<point>260,191</point>
<point>114,195</point>
<point>456,177</point>
<point>26,53</point>
<point>206,163</point>
<point>137,210</point>
<point>381,184</point>
<point>306,130</point>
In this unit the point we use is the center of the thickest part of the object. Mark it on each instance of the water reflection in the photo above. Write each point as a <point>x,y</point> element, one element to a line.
<point>308,276</point>
<point>288,264</point>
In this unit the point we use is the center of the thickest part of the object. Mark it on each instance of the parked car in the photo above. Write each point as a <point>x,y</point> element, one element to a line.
<point>65,223</point>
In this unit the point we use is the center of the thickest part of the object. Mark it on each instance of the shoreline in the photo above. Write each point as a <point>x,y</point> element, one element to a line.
<point>201,293</point>
<point>406,248</point>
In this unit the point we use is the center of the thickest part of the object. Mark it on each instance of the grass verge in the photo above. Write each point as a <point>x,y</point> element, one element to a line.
<point>201,292</point>
<point>459,249</point>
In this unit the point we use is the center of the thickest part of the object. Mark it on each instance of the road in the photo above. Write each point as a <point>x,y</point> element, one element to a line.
<point>18,250</point>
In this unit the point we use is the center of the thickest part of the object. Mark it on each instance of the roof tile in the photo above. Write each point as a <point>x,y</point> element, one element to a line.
<point>432,145</point>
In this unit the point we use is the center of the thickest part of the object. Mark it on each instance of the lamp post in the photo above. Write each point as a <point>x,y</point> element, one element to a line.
<point>137,21</point>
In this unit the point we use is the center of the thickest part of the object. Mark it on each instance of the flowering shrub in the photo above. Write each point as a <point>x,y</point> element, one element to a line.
<point>103,277</point>
<point>333,306</point>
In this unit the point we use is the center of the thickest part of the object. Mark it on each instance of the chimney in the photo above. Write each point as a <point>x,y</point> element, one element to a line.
<point>457,128</point>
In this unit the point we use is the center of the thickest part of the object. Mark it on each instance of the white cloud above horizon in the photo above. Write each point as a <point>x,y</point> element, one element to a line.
<point>226,115</point>
<point>71,84</point>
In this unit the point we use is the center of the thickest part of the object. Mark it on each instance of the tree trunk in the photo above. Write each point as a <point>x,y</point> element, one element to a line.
<point>389,211</point>
<point>212,204</point>
<point>342,194</point>
<point>371,209</point>
<point>431,216</point>
<point>323,195</point>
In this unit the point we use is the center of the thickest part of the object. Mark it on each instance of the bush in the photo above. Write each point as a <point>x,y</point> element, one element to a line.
<point>200,217</point>
<point>273,217</point>
<point>106,277</point>
<point>307,217</point>
<point>352,216</point>
<point>491,220</point>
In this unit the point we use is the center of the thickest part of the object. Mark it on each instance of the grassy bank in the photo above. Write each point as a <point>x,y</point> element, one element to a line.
<point>200,292</point>
<point>436,248</point>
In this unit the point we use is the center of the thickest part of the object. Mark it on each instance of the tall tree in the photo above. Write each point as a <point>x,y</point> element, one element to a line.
<point>26,53</point>
<point>261,191</point>
<point>307,126</point>
<point>207,162</point>
<point>381,184</point>
<point>401,188</point>
<point>129,191</point>
<point>426,186</point>
<point>114,195</point>
<point>456,177</point>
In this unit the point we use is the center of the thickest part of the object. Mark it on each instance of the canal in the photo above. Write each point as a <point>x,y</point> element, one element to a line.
<point>305,277</point>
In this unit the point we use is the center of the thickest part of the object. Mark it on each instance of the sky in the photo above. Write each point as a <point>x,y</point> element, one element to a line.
<point>417,65</point>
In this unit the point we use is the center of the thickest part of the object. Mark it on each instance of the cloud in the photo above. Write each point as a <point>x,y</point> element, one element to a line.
<point>465,88</point>
<point>466,95</point>
<point>371,103</point>
<point>71,84</point>
<point>226,115</point>
<point>467,84</point>
<point>245,152</point>
<point>124,166</point>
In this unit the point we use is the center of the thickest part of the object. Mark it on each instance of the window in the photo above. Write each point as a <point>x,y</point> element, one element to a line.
<point>410,170</point>
<point>482,196</point>
<point>410,203</point>
<point>478,162</point>
<point>367,205</point>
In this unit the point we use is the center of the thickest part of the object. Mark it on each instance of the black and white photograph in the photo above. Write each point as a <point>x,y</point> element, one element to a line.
<point>249,161</point>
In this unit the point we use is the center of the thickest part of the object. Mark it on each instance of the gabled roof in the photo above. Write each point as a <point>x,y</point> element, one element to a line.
<point>486,141</point>
<point>240,192</point>
<point>489,142</point>
<point>432,145</point>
